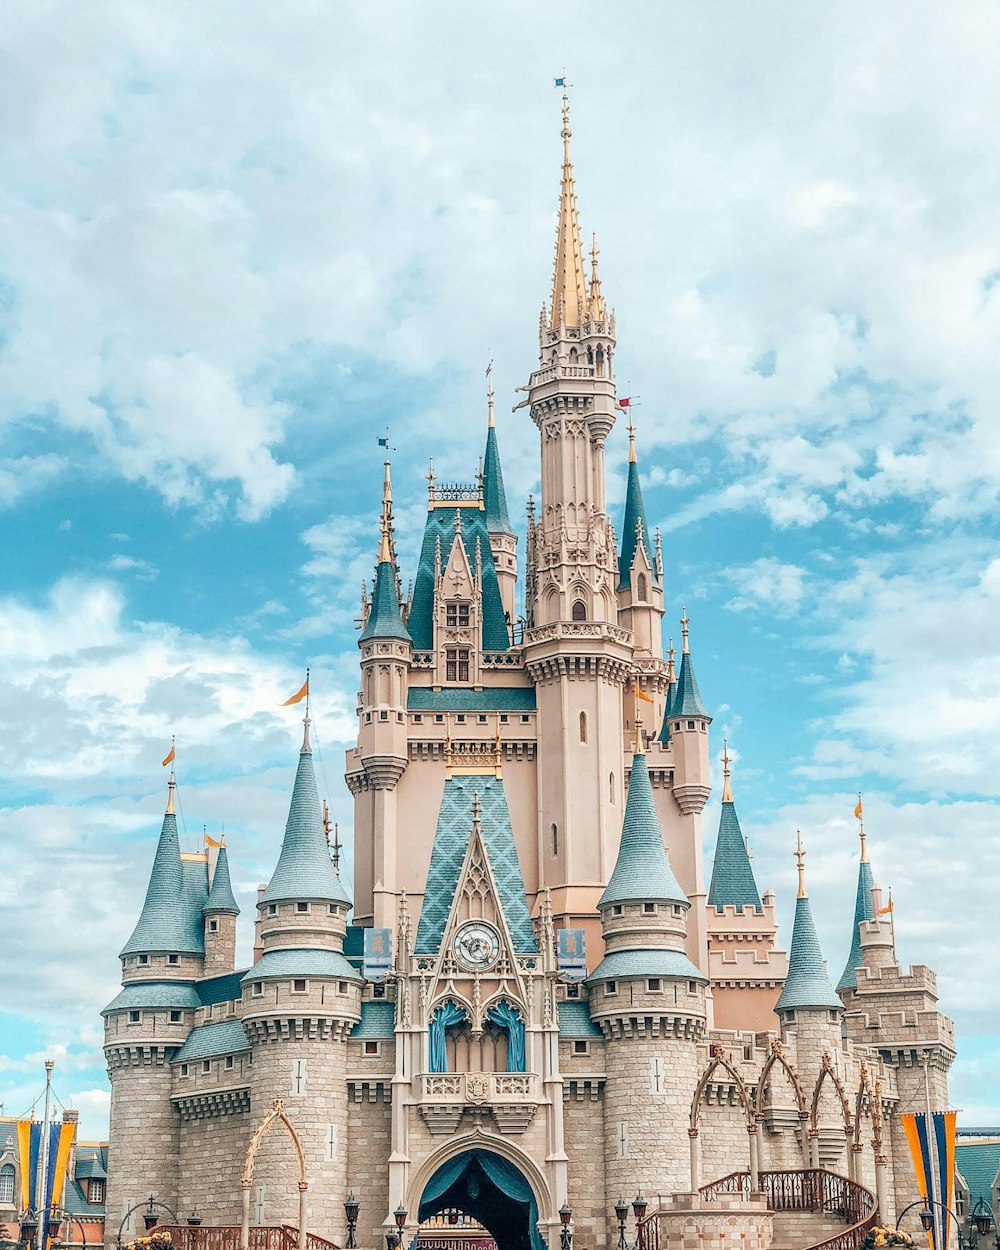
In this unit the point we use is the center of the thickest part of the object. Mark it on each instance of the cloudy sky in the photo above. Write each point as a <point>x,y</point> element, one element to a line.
<point>238,240</point>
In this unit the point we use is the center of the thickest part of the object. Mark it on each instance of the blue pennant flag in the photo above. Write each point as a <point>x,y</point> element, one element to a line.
<point>560,82</point>
<point>571,954</point>
<point>383,442</point>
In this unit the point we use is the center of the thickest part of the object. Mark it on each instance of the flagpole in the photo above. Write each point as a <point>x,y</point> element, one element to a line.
<point>41,1184</point>
<point>892,926</point>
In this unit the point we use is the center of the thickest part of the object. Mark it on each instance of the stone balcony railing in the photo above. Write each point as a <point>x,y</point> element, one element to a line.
<point>510,1096</point>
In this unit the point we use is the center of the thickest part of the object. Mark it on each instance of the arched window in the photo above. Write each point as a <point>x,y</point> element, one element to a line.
<point>555,839</point>
<point>600,361</point>
<point>611,786</point>
<point>579,610</point>
<point>640,586</point>
<point>7,1185</point>
<point>573,356</point>
<point>583,726</point>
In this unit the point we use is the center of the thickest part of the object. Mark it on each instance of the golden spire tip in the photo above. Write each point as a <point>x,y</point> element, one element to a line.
<point>727,790</point>
<point>800,856</point>
<point>171,787</point>
<point>684,630</point>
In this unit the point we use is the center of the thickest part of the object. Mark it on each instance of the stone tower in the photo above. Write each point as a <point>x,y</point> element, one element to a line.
<point>220,912</point>
<point>648,999</point>
<point>300,1001</point>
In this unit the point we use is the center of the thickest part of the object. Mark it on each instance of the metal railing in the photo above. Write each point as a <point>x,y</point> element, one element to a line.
<point>812,1189</point>
<point>227,1237</point>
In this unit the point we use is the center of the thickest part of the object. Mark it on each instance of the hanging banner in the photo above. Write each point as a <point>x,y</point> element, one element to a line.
<point>29,1149</point>
<point>571,954</point>
<point>932,1146</point>
<point>378,954</point>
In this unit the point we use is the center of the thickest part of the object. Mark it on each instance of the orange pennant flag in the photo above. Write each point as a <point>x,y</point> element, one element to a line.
<point>859,811</point>
<point>210,841</point>
<point>884,911</point>
<point>170,756</point>
<point>640,693</point>
<point>299,694</point>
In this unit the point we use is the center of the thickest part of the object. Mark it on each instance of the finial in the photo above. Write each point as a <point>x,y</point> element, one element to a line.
<point>686,648</point>
<point>171,787</point>
<point>727,790</point>
<point>631,438</point>
<point>306,748</point>
<point>336,847</point>
<point>169,758</point>
<point>431,479</point>
<point>385,544</point>
<point>859,811</point>
<point>489,392</point>
<point>637,694</point>
<point>477,811</point>
<point>671,673</point>
<point>800,856</point>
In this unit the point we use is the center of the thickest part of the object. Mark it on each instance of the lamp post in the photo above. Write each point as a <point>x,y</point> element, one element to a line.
<point>621,1215</point>
<point>565,1233</point>
<point>149,1216</point>
<point>984,1219</point>
<point>351,1209</point>
<point>926,1215</point>
<point>399,1215</point>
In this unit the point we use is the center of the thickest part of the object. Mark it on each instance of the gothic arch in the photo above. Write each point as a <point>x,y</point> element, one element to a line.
<point>869,1103</point>
<point>277,1112</point>
<point>777,1057</point>
<point>826,1070</point>
<point>480,1140</point>
<point>718,1060</point>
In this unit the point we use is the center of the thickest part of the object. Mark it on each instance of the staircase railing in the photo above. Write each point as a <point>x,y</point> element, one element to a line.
<point>227,1237</point>
<point>808,1189</point>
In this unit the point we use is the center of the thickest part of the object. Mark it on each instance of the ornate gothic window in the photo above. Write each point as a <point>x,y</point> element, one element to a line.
<point>579,610</point>
<point>640,586</point>
<point>7,1185</point>
<point>456,664</point>
<point>457,615</point>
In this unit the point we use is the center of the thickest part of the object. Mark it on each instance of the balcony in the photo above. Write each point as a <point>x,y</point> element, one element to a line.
<point>511,1097</point>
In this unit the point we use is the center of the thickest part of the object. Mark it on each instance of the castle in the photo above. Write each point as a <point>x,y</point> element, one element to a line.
<point>526,789</point>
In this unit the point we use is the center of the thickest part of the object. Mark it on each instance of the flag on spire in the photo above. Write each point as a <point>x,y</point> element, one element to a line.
<point>171,755</point>
<point>859,810</point>
<point>300,694</point>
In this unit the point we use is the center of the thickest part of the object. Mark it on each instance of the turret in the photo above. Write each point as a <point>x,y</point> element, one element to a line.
<point>300,1001</point>
<point>864,910</point>
<point>745,966</point>
<point>503,542</point>
<point>220,912</point>
<point>648,999</point>
<point>640,586</point>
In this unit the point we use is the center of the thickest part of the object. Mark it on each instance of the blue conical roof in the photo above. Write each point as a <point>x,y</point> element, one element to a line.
<point>642,870</point>
<point>687,699</point>
<point>220,896</point>
<point>668,711</point>
<point>304,869</point>
<point>733,883</point>
<point>385,619</point>
<point>807,984</point>
<point>864,909</point>
<point>167,923</point>
<point>635,528</point>
<point>497,520</point>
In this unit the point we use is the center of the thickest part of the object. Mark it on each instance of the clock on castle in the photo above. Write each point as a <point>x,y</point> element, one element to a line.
<point>515,778</point>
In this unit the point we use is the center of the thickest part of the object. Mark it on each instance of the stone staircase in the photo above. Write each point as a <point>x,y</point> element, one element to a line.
<point>796,1230</point>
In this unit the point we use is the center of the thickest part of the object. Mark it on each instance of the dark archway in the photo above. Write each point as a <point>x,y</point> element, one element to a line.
<point>491,1190</point>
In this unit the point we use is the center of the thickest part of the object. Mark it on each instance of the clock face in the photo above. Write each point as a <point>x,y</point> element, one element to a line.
<point>477,946</point>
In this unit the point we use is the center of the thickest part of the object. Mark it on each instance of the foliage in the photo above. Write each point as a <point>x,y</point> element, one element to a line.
<point>156,1240</point>
<point>885,1237</point>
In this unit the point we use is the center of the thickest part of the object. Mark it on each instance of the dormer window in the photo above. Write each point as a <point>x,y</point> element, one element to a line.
<point>95,1191</point>
<point>456,664</point>
<point>457,615</point>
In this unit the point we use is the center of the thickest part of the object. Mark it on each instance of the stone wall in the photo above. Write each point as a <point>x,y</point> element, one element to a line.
<point>583,1126</point>
<point>369,1118</point>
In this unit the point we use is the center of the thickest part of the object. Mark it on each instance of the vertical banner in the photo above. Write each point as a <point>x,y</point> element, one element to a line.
<point>571,954</point>
<point>29,1149</point>
<point>934,1165</point>
<point>378,954</point>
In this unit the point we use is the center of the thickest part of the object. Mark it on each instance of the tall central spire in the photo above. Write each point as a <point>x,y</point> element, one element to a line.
<point>569,283</point>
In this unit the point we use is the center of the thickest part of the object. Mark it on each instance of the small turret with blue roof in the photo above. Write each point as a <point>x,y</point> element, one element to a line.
<point>688,733</point>
<point>864,910</point>
<point>385,618</point>
<point>503,542</point>
<point>220,912</point>
<point>733,883</point>
<point>640,571</point>
<point>807,987</point>
<point>643,908</point>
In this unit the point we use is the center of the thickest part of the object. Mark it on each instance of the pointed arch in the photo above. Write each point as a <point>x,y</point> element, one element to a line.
<point>826,1070</point>
<point>868,1102</point>
<point>777,1058</point>
<point>275,1115</point>
<point>718,1060</point>
<point>483,1140</point>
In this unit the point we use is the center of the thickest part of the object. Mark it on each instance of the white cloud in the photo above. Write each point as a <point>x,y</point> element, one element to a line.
<point>768,584</point>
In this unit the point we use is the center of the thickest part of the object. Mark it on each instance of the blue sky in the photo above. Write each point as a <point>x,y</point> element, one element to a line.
<point>236,242</point>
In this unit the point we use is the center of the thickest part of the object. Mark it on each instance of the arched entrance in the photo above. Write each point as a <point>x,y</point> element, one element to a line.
<point>490,1189</point>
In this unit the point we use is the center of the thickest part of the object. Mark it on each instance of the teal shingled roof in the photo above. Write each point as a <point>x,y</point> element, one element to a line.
<point>648,962</point>
<point>384,617</point>
<point>451,840</point>
<point>979,1164</point>
<point>687,699</point>
<point>864,909</point>
<point>304,869</point>
<point>222,989</point>
<point>633,526</point>
<point>733,883</point>
<point>497,520</point>
<point>664,734</point>
<point>301,962</point>
<point>221,1038</point>
<point>441,524</point>
<point>807,984</point>
<point>220,896</point>
<point>642,870</point>
<point>154,994</point>
<point>378,1019</point>
<point>461,699</point>
<point>169,921</point>
<point>575,1021</point>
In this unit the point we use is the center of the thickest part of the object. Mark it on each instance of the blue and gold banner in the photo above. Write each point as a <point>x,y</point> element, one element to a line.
<point>378,954</point>
<point>571,954</point>
<point>932,1145</point>
<point>29,1149</point>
